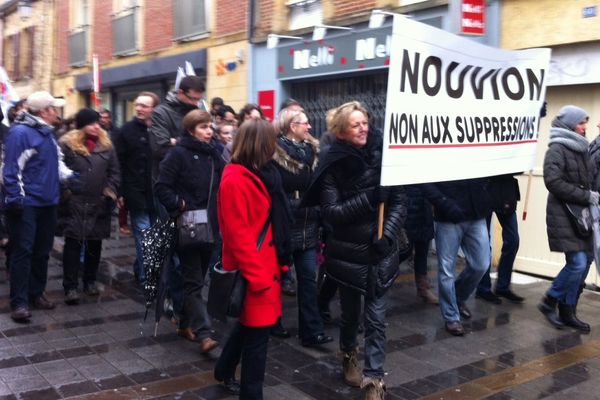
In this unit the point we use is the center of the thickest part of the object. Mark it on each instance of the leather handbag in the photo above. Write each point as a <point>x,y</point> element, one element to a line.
<point>193,226</point>
<point>227,289</point>
<point>581,219</point>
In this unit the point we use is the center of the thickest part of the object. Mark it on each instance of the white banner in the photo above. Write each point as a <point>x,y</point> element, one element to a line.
<point>457,109</point>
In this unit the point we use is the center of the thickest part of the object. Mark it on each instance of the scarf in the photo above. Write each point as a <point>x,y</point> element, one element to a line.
<point>569,139</point>
<point>281,214</point>
<point>90,142</point>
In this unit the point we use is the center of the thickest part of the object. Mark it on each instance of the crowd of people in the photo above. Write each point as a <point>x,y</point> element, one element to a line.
<point>294,214</point>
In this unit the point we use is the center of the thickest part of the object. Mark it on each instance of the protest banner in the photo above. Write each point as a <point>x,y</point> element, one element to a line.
<point>458,109</point>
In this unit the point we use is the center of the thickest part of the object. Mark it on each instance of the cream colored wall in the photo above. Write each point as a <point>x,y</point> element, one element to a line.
<point>538,23</point>
<point>534,254</point>
<point>231,86</point>
<point>64,87</point>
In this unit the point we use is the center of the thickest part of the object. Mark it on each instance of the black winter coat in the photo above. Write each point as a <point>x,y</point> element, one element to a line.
<point>87,211</point>
<point>296,164</point>
<point>568,174</point>
<point>419,218</point>
<point>470,196</point>
<point>504,193</point>
<point>135,159</point>
<point>347,179</point>
<point>185,176</point>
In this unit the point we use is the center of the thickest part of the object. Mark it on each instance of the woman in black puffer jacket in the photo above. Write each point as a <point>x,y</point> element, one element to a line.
<point>347,182</point>
<point>296,156</point>
<point>184,184</point>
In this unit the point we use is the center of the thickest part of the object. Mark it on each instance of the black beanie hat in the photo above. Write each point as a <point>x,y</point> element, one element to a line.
<point>86,116</point>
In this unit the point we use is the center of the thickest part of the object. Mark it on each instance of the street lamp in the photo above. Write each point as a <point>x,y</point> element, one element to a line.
<point>24,9</point>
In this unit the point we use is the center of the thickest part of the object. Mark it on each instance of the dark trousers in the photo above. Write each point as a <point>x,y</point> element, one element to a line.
<point>250,346</point>
<point>421,252</point>
<point>350,301</point>
<point>309,320</point>
<point>510,246</point>
<point>31,239</point>
<point>194,264</point>
<point>92,250</point>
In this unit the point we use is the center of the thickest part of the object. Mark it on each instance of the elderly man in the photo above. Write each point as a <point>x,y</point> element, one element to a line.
<point>33,168</point>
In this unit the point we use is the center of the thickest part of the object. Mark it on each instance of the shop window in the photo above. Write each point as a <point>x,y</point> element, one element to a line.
<point>189,19</point>
<point>304,13</point>
<point>18,54</point>
<point>78,32</point>
<point>124,27</point>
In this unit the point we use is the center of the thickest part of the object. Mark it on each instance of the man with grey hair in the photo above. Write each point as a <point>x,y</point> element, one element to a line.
<point>33,168</point>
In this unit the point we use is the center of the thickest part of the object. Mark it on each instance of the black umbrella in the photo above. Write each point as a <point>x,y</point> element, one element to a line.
<point>157,242</point>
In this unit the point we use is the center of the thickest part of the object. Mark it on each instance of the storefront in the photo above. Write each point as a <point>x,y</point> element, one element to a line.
<point>120,85</point>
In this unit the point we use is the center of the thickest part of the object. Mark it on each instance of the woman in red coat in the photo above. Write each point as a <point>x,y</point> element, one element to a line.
<point>250,200</point>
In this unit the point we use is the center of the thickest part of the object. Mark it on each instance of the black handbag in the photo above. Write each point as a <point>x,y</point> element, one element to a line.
<point>581,219</point>
<point>227,289</point>
<point>193,226</point>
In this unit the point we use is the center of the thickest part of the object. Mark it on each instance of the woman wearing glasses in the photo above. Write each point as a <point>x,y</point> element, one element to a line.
<point>297,155</point>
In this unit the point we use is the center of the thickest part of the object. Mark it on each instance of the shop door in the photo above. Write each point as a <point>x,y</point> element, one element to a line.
<point>319,96</point>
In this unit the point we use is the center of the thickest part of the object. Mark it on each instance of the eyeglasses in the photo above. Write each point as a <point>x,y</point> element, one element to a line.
<point>192,98</point>
<point>305,123</point>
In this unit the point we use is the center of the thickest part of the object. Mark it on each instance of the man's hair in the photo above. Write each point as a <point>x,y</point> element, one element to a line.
<point>254,144</point>
<point>247,109</point>
<point>217,101</point>
<point>152,95</point>
<point>194,118</point>
<point>105,110</point>
<point>225,109</point>
<point>192,82</point>
<point>290,102</point>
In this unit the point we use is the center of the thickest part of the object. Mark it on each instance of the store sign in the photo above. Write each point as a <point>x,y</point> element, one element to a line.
<point>472,17</point>
<point>363,50</point>
<point>457,109</point>
<point>266,102</point>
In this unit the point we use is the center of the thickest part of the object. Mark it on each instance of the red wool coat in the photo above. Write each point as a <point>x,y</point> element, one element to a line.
<point>243,207</point>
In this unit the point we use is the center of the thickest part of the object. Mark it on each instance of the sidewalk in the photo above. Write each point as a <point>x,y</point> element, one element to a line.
<point>101,349</point>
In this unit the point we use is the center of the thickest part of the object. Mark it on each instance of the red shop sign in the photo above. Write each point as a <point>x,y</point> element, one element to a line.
<point>472,17</point>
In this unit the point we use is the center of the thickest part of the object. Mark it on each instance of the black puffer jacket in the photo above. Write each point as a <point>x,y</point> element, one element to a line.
<point>135,159</point>
<point>469,196</point>
<point>347,179</point>
<point>504,193</point>
<point>185,175</point>
<point>87,211</point>
<point>568,174</point>
<point>296,163</point>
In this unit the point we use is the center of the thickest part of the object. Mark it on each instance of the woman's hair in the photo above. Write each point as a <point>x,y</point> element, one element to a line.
<point>195,117</point>
<point>284,120</point>
<point>338,123</point>
<point>254,144</point>
<point>246,110</point>
<point>76,141</point>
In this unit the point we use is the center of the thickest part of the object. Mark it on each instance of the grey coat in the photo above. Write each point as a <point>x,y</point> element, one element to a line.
<point>568,175</point>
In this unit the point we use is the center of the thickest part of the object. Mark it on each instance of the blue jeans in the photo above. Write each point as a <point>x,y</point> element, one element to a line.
<point>565,287</point>
<point>140,220</point>
<point>350,301</point>
<point>309,320</point>
<point>31,239</point>
<point>510,246</point>
<point>473,237</point>
<point>248,344</point>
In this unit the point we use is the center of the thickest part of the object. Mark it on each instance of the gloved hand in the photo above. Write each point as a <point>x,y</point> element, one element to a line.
<point>593,198</point>
<point>455,213</point>
<point>14,210</point>
<point>74,183</point>
<point>379,194</point>
<point>381,247</point>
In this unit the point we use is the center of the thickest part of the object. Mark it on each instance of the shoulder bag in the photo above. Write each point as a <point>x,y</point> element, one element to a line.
<point>227,288</point>
<point>193,226</point>
<point>581,219</point>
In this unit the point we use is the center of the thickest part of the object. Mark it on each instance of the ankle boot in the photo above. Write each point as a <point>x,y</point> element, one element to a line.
<point>374,388</point>
<point>424,291</point>
<point>352,373</point>
<point>548,308</point>
<point>568,316</point>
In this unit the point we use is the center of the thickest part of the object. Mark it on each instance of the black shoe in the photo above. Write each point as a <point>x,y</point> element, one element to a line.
<point>510,296</point>
<point>548,308</point>
<point>455,328</point>
<point>231,386</point>
<point>288,289</point>
<point>567,315</point>
<point>489,297</point>
<point>42,303</point>
<point>316,340</point>
<point>72,297</point>
<point>280,332</point>
<point>20,314</point>
<point>464,311</point>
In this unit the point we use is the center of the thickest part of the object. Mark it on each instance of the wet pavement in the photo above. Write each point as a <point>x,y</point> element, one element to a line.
<point>101,349</point>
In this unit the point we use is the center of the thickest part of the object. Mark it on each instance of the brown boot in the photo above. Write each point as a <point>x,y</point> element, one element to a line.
<point>424,291</point>
<point>208,344</point>
<point>374,388</point>
<point>352,373</point>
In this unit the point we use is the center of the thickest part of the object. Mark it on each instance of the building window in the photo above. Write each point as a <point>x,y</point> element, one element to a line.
<point>18,53</point>
<point>78,32</point>
<point>124,27</point>
<point>189,19</point>
<point>304,13</point>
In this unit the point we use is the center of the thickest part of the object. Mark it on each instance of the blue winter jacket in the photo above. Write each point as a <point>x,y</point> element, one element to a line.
<point>33,164</point>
